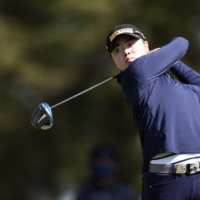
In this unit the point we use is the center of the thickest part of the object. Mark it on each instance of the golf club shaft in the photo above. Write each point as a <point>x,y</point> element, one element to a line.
<point>109,79</point>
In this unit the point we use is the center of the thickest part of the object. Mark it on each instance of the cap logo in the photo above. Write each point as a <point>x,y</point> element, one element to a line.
<point>120,31</point>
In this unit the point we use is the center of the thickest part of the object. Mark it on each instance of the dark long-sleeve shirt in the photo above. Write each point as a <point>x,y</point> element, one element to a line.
<point>166,111</point>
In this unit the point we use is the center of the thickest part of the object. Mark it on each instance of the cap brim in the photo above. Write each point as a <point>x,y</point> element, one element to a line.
<point>131,34</point>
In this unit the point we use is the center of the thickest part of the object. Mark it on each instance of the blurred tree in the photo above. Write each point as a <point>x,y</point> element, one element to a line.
<point>51,50</point>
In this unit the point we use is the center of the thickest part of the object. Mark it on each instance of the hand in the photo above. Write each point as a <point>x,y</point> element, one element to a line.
<point>154,50</point>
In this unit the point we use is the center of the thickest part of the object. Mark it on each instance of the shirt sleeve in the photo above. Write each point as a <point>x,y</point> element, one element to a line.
<point>148,67</point>
<point>185,74</point>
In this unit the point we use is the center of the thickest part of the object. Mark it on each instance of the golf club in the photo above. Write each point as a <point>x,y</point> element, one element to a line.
<point>42,117</point>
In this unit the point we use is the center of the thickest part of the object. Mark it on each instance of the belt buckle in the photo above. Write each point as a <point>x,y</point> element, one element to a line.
<point>194,168</point>
<point>180,169</point>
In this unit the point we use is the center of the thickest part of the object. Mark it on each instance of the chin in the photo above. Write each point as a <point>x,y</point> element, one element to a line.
<point>124,68</point>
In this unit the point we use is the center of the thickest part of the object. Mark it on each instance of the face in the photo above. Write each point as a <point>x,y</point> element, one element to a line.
<point>126,49</point>
<point>103,171</point>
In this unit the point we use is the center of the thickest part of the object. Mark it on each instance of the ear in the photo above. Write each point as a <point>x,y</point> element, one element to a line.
<point>146,44</point>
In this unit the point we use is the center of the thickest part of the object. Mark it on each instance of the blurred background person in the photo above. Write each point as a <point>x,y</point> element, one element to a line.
<point>103,183</point>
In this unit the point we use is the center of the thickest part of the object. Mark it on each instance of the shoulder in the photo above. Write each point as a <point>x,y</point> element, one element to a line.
<point>83,190</point>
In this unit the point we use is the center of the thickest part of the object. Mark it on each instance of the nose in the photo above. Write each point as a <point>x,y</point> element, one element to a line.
<point>126,51</point>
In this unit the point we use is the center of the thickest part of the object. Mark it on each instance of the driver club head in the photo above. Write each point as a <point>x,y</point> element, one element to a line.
<point>42,117</point>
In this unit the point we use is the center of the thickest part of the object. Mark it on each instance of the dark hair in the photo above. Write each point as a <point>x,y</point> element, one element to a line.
<point>104,151</point>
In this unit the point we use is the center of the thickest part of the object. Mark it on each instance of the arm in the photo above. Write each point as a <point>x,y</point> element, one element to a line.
<point>160,60</point>
<point>185,74</point>
<point>157,62</point>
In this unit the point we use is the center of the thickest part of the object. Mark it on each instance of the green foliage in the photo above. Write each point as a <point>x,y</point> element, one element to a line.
<point>51,50</point>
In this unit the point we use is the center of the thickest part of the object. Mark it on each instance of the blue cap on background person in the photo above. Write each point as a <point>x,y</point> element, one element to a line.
<point>104,151</point>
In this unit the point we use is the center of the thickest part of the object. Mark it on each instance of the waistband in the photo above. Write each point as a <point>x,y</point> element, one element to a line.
<point>178,164</point>
<point>173,158</point>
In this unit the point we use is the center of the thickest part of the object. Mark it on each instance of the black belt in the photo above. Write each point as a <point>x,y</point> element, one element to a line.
<point>175,168</point>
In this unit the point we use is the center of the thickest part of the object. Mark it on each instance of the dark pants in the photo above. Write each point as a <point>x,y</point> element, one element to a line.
<point>170,186</point>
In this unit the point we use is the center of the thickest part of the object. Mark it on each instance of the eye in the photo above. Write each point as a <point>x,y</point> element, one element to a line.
<point>131,43</point>
<point>117,50</point>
